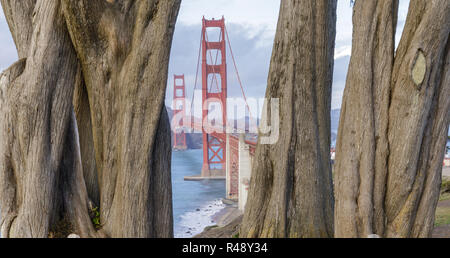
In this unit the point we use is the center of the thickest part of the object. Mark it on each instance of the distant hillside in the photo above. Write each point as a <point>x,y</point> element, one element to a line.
<point>194,141</point>
<point>335,114</point>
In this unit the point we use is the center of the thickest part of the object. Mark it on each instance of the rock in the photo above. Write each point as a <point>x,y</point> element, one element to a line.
<point>73,236</point>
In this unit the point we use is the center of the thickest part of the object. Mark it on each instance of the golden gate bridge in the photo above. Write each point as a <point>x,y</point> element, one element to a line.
<point>217,138</point>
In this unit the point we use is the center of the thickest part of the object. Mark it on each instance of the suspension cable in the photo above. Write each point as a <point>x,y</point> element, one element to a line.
<point>196,78</point>
<point>237,72</point>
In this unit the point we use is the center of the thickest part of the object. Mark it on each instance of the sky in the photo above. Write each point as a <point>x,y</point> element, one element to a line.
<point>251,25</point>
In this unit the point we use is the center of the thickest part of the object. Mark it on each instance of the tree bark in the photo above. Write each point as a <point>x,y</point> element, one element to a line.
<point>124,47</point>
<point>115,55</point>
<point>394,121</point>
<point>291,193</point>
<point>19,15</point>
<point>41,178</point>
<point>361,149</point>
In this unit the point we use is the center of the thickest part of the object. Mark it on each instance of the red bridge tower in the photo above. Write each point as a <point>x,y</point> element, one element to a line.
<point>179,111</point>
<point>214,74</point>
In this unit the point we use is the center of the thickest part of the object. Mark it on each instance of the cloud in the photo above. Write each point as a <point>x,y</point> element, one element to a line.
<point>339,78</point>
<point>342,51</point>
<point>344,23</point>
<point>251,26</point>
<point>248,13</point>
<point>252,54</point>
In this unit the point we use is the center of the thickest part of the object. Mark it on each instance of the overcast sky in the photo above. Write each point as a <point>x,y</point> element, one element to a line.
<point>251,26</point>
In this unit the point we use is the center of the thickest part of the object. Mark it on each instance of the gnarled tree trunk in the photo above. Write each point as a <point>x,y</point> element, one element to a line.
<point>362,138</point>
<point>290,191</point>
<point>124,47</point>
<point>115,54</point>
<point>394,121</point>
<point>42,185</point>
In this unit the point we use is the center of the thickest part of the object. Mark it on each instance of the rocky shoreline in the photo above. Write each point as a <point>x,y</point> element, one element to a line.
<point>194,222</point>
<point>227,222</point>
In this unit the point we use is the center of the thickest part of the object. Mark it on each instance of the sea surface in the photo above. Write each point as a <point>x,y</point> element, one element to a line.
<point>194,202</point>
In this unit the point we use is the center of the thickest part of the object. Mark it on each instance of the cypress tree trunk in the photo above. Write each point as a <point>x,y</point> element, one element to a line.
<point>394,121</point>
<point>42,189</point>
<point>290,191</point>
<point>123,48</point>
<point>53,170</point>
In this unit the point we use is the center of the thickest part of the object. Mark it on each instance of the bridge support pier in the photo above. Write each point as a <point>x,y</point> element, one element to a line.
<point>214,91</point>
<point>179,112</point>
<point>245,171</point>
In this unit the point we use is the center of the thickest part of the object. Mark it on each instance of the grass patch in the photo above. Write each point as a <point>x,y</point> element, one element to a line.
<point>444,197</point>
<point>445,186</point>
<point>445,190</point>
<point>442,216</point>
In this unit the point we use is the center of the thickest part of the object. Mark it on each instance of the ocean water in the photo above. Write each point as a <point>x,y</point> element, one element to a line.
<point>194,202</point>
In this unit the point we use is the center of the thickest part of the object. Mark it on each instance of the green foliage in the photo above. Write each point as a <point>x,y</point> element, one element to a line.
<point>443,212</point>
<point>95,215</point>
<point>444,197</point>
<point>236,235</point>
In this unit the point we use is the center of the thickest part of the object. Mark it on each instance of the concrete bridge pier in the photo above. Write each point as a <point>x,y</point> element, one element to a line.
<point>238,169</point>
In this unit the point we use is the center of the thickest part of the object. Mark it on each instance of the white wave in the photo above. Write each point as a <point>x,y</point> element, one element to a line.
<point>194,222</point>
